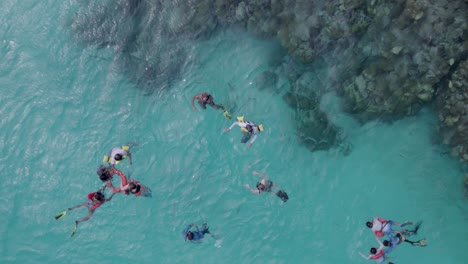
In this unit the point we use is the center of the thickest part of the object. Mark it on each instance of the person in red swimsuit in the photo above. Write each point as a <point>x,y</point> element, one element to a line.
<point>95,199</point>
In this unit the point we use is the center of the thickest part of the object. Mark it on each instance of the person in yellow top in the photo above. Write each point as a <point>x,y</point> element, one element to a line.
<point>249,130</point>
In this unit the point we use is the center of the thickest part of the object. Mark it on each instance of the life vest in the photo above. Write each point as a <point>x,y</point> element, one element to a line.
<point>107,158</point>
<point>378,255</point>
<point>90,200</point>
<point>383,222</point>
<point>249,127</point>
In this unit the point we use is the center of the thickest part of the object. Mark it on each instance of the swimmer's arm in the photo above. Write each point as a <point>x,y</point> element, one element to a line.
<point>102,188</point>
<point>110,197</point>
<point>130,157</point>
<point>233,124</point>
<point>380,243</point>
<point>193,100</point>
<point>112,188</point>
<point>125,188</point>
<point>364,256</point>
<point>251,190</point>
<point>261,174</point>
<point>252,140</point>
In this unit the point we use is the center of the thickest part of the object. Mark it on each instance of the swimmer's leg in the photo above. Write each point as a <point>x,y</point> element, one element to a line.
<point>245,138</point>
<point>421,243</point>
<point>204,229</point>
<point>415,230</point>
<point>74,229</point>
<point>282,195</point>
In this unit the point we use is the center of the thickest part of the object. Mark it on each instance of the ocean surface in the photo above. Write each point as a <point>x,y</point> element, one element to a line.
<point>63,105</point>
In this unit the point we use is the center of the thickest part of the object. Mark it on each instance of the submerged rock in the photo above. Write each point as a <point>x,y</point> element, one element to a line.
<point>314,129</point>
<point>452,107</point>
<point>465,185</point>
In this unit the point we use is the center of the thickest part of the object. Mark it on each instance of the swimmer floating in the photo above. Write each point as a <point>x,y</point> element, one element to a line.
<point>207,99</point>
<point>248,129</point>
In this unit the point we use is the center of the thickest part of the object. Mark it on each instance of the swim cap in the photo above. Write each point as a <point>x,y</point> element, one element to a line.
<point>240,118</point>
<point>260,127</point>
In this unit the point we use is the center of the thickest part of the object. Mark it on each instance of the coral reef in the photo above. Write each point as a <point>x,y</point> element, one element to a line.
<point>314,129</point>
<point>386,59</point>
<point>465,185</point>
<point>452,107</point>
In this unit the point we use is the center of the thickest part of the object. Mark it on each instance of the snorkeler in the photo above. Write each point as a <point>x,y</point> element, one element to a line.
<point>118,154</point>
<point>195,235</point>
<point>248,129</point>
<point>95,199</point>
<point>137,189</point>
<point>266,186</point>
<point>377,254</point>
<point>382,227</point>
<point>207,99</point>
<point>106,174</point>
<point>400,237</point>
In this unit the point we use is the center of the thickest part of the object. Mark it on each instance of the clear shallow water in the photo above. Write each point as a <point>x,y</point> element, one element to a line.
<point>64,106</point>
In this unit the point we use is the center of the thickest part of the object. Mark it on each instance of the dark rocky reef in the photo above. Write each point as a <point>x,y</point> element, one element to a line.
<point>452,107</point>
<point>314,129</point>
<point>150,39</point>
<point>386,59</point>
<point>465,186</point>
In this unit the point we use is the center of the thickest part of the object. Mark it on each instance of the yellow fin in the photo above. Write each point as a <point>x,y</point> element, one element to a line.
<point>240,118</point>
<point>105,159</point>
<point>227,114</point>
<point>125,148</point>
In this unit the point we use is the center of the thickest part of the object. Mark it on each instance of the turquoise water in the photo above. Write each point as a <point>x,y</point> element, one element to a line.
<point>63,106</point>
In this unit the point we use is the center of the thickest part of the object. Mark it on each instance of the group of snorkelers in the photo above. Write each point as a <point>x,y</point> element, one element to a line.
<point>381,227</point>
<point>106,173</point>
<point>249,129</point>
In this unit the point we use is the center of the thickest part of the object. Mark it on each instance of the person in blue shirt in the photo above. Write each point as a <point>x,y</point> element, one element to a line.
<point>197,234</point>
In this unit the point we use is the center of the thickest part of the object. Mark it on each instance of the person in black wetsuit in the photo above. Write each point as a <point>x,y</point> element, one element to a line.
<point>266,185</point>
